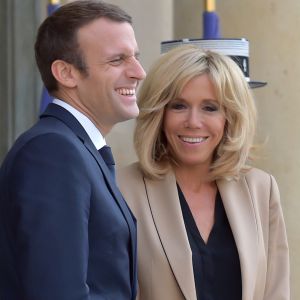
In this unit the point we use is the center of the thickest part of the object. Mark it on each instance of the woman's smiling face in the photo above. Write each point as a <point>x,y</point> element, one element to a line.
<point>194,123</point>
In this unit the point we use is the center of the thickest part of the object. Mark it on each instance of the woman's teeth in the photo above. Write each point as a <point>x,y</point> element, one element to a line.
<point>193,139</point>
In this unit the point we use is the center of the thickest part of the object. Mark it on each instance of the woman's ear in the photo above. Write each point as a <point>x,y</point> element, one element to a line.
<point>64,73</point>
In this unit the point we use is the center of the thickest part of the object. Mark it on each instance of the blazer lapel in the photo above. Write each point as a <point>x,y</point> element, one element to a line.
<point>241,215</point>
<point>67,118</point>
<point>167,216</point>
<point>129,217</point>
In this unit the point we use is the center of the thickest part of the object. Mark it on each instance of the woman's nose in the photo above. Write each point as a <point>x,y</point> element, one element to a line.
<point>194,119</point>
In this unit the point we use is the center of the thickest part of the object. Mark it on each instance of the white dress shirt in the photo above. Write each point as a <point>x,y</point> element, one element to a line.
<point>90,128</point>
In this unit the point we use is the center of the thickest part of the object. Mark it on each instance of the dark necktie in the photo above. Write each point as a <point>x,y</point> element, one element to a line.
<point>107,156</point>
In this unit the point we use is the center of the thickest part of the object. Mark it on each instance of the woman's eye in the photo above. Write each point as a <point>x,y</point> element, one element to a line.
<point>177,106</point>
<point>211,108</point>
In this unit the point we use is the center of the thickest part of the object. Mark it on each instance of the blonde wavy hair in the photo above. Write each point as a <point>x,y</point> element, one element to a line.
<point>165,81</point>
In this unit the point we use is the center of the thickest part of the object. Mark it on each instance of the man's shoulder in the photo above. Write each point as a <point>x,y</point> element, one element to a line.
<point>43,140</point>
<point>41,131</point>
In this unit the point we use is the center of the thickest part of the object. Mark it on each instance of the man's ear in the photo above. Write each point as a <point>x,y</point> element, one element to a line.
<point>64,73</point>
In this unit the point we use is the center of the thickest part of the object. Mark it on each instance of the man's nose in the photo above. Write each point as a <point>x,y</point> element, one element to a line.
<point>135,69</point>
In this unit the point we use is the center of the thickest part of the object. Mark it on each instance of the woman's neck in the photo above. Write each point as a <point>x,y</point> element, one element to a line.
<point>193,178</point>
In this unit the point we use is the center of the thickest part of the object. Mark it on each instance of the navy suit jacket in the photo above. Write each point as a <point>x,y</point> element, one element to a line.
<point>66,232</point>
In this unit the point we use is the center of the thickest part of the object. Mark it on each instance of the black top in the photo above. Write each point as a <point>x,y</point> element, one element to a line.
<point>216,264</point>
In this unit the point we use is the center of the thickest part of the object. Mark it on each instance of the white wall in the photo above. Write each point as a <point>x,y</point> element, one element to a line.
<point>153,22</point>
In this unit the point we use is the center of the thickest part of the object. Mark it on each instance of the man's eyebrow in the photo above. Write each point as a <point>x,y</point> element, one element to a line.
<point>122,54</point>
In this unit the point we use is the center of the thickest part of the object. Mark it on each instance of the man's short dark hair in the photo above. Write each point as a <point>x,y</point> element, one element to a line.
<point>57,35</point>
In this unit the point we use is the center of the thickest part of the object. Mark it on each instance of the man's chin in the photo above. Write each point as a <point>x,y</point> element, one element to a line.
<point>129,115</point>
<point>133,113</point>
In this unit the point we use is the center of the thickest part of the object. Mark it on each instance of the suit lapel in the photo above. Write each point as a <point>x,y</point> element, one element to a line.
<point>167,216</point>
<point>66,117</point>
<point>239,208</point>
<point>114,190</point>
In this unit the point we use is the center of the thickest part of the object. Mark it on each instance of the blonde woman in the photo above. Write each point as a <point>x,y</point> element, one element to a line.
<point>209,225</point>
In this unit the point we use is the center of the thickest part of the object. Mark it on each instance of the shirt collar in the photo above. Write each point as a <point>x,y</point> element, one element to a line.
<point>90,128</point>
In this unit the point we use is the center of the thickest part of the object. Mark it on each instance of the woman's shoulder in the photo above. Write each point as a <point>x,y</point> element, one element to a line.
<point>253,177</point>
<point>129,173</point>
<point>255,174</point>
<point>259,181</point>
<point>131,183</point>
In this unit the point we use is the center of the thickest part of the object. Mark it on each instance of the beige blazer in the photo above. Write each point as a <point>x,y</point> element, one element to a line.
<point>165,270</point>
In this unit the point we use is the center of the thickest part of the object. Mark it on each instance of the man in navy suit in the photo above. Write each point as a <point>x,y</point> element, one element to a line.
<point>66,232</point>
